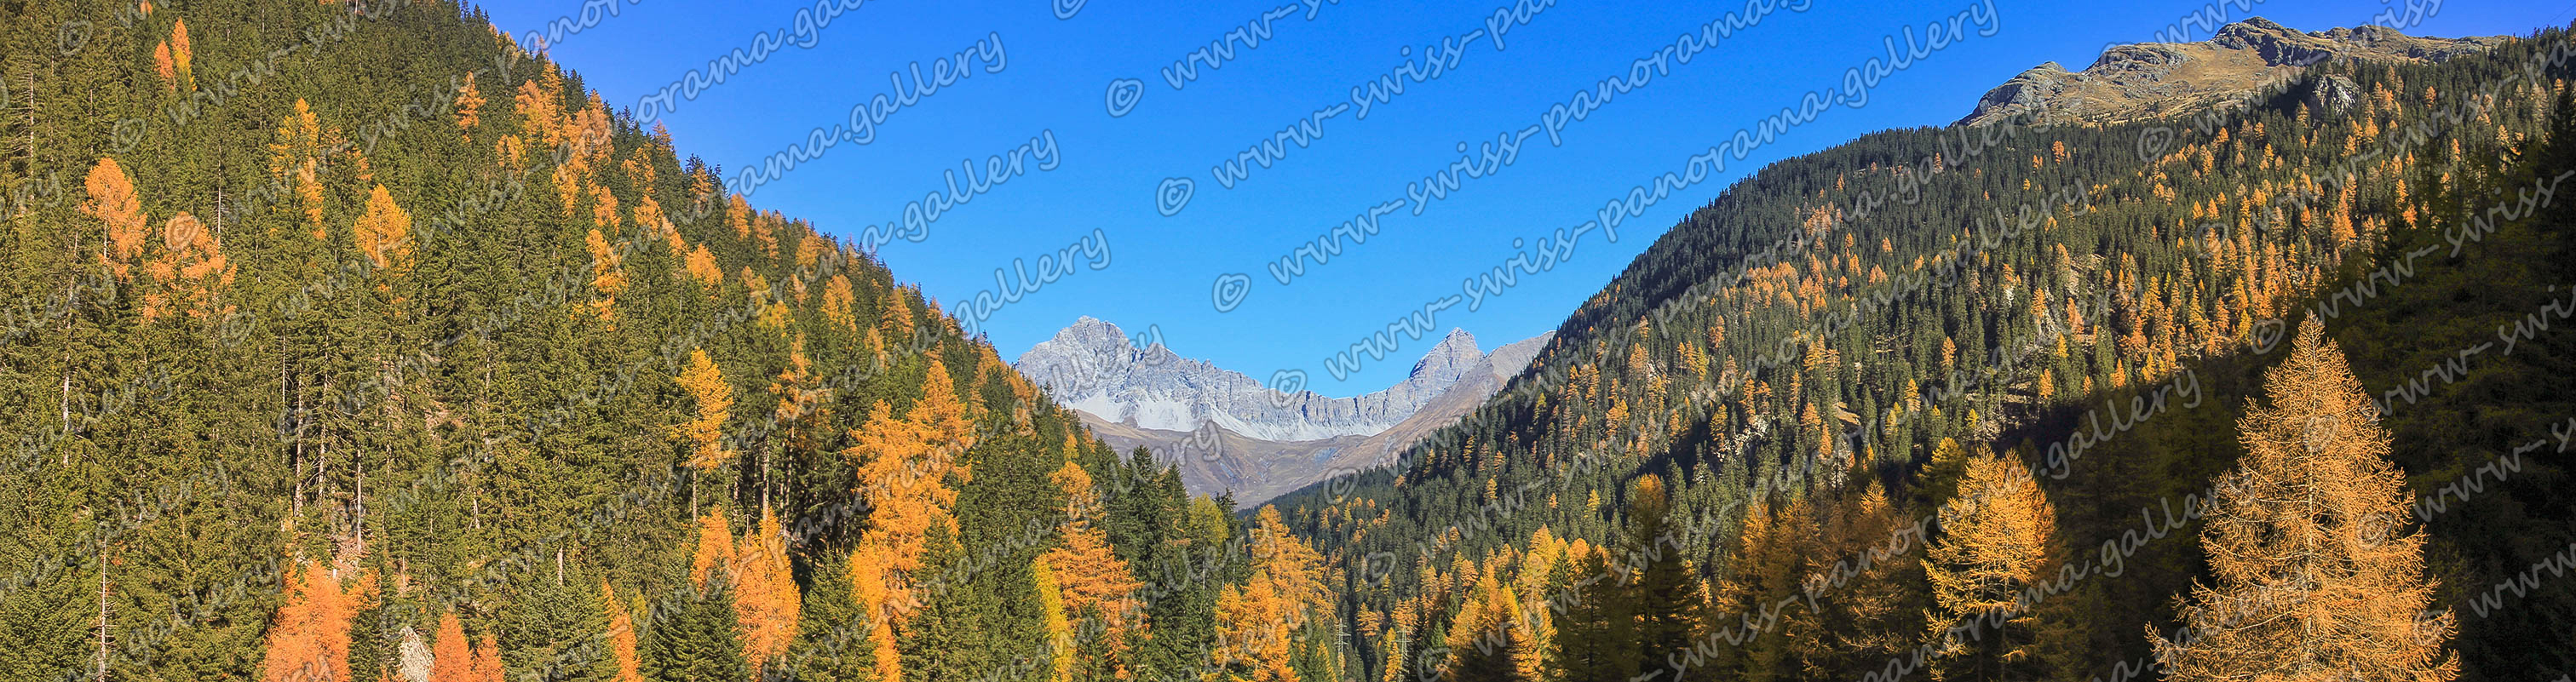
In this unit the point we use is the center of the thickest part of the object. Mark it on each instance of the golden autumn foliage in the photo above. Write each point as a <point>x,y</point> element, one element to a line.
<point>294,159</point>
<point>803,400</point>
<point>451,658</point>
<point>836,300</point>
<point>702,265</point>
<point>191,273</point>
<point>1867,530</point>
<point>1772,557</point>
<point>310,638</point>
<point>469,104</point>
<point>1994,544</point>
<point>904,465</point>
<point>487,661</point>
<point>738,216</point>
<point>773,312</point>
<point>704,434</point>
<point>113,202</point>
<point>715,549</point>
<point>2316,576</point>
<point>1258,620</point>
<point>607,278</point>
<point>765,599</point>
<point>1059,630</point>
<point>183,55</point>
<point>162,66</point>
<point>766,602</point>
<point>894,316</point>
<point>172,59</point>
<point>1095,583</point>
<point>878,605</point>
<point>384,233</point>
<point>1488,628</point>
<point>621,636</point>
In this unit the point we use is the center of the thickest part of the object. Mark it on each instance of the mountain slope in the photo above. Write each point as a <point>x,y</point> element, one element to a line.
<point>1817,351</point>
<point>350,340</point>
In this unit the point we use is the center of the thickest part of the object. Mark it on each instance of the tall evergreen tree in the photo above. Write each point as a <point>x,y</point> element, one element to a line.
<point>2318,574</point>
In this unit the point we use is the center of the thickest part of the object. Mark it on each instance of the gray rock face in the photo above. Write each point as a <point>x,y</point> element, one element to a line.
<point>1092,366</point>
<point>1184,410</point>
<point>2332,95</point>
<point>2144,80</point>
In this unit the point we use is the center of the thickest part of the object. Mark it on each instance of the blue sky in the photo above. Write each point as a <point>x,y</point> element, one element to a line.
<point>1053,77</point>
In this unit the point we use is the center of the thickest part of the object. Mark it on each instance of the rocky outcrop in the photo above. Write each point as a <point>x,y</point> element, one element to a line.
<point>2147,80</point>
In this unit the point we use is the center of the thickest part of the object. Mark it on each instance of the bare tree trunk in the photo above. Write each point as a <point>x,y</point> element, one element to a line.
<point>101,675</point>
<point>31,120</point>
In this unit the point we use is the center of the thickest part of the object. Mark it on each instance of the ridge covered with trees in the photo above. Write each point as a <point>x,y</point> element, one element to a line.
<point>352,341</point>
<point>2221,396</point>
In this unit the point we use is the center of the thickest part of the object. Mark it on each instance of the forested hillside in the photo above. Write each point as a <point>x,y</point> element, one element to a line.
<point>2266,391</point>
<point>352,341</point>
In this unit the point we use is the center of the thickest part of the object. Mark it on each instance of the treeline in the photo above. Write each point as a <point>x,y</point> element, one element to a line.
<point>1958,402</point>
<point>348,340</point>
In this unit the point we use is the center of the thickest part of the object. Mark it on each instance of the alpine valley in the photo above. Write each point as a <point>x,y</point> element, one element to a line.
<point>362,340</point>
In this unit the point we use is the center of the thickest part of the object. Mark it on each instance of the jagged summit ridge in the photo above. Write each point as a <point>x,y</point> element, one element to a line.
<point>2146,80</point>
<point>1093,366</point>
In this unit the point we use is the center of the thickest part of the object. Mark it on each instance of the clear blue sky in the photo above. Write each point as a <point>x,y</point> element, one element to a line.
<point>1161,270</point>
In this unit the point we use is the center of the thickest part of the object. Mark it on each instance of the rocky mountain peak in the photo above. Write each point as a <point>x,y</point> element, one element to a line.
<point>2147,80</point>
<point>1095,367</point>
<point>1453,357</point>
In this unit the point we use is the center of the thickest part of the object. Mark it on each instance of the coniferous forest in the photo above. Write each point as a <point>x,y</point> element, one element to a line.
<point>398,355</point>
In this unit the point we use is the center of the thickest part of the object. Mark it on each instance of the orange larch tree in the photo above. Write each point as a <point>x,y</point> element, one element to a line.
<point>1095,583</point>
<point>183,55</point>
<point>714,555</point>
<point>112,201</point>
<point>766,602</point>
<point>621,636</point>
<point>487,660</point>
<point>702,265</point>
<point>294,160</point>
<point>1257,622</point>
<point>451,658</point>
<point>607,277</point>
<point>384,233</point>
<point>2316,576</point>
<point>904,465</point>
<point>705,433</point>
<point>191,273</point>
<point>1994,545</point>
<point>469,104</point>
<point>310,639</point>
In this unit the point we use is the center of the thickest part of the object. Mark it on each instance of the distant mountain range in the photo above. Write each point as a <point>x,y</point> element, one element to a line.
<point>1229,432</point>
